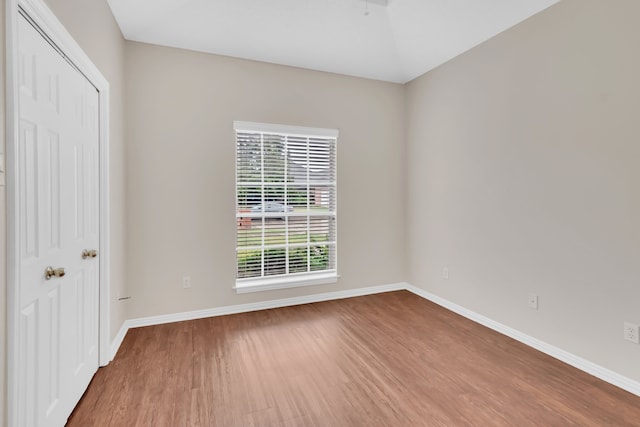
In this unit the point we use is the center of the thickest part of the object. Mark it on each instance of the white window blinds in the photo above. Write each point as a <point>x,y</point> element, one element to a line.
<point>286,203</point>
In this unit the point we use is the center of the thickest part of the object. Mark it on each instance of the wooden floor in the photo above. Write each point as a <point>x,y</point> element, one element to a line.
<point>391,359</point>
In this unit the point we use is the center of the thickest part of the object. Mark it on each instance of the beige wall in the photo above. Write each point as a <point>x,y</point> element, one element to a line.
<point>180,172</point>
<point>523,177</point>
<point>92,25</point>
<point>3,239</point>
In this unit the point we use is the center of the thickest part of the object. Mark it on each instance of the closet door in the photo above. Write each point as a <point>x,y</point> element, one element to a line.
<point>58,184</point>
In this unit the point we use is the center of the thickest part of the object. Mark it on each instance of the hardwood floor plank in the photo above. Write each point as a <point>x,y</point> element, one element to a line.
<point>391,359</point>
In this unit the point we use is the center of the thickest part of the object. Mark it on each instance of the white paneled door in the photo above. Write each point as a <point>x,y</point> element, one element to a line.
<point>58,193</point>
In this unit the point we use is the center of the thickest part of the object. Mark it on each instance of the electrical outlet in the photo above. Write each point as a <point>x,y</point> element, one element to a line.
<point>532,300</point>
<point>1,170</point>
<point>186,282</point>
<point>445,273</point>
<point>631,332</point>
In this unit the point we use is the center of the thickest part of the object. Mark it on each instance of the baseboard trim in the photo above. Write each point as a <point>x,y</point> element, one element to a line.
<point>245,308</point>
<point>117,341</point>
<point>584,365</point>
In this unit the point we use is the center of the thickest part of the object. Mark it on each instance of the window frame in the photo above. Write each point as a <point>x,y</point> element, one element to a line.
<point>286,280</point>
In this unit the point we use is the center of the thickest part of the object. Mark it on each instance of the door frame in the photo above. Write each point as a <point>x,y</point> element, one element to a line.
<point>52,29</point>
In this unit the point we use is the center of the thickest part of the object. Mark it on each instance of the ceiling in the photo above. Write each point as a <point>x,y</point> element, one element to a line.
<point>397,41</point>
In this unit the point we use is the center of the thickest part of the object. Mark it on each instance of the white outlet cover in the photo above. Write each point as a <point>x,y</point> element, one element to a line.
<point>186,282</point>
<point>632,332</point>
<point>1,170</point>
<point>533,301</point>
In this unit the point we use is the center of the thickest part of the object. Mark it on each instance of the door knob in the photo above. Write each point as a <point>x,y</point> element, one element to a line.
<point>89,253</point>
<point>53,272</point>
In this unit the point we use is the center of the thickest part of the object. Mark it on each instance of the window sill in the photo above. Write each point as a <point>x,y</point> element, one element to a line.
<point>259,285</point>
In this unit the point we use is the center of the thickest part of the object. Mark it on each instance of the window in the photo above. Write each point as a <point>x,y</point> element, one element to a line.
<point>286,224</point>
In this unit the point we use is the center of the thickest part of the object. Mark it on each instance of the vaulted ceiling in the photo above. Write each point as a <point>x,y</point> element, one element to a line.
<point>391,40</point>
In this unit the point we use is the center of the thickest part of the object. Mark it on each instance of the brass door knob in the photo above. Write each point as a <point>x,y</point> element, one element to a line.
<point>89,253</point>
<point>53,272</point>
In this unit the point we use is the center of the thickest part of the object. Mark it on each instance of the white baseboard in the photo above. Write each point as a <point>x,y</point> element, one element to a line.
<point>117,341</point>
<point>591,368</point>
<point>244,308</point>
